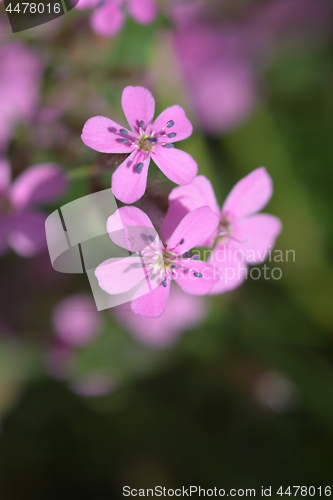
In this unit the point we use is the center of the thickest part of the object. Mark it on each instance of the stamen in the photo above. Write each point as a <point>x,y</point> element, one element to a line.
<point>153,276</point>
<point>173,266</point>
<point>164,283</point>
<point>151,238</point>
<point>196,257</point>
<point>123,131</point>
<point>123,141</point>
<point>152,139</point>
<point>181,242</point>
<point>139,168</point>
<point>198,275</point>
<point>173,134</point>
<point>170,123</point>
<point>137,266</point>
<point>187,255</point>
<point>168,146</point>
<point>142,124</point>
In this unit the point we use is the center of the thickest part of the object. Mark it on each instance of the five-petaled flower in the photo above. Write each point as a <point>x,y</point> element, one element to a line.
<point>242,236</point>
<point>146,139</point>
<point>22,227</point>
<point>157,260</point>
<point>109,16</point>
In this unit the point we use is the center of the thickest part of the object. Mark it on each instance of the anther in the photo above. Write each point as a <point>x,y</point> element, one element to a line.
<point>139,168</point>
<point>198,275</point>
<point>137,266</point>
<point>164,283</point>
<point>151,238</point>
<point>181,242</point>
<point>187,255</point>
<point>173,266</point>
<point>170,123</point>
<point>153,276</point>
<point>123,131</point>
<point>196,257</point>
<point>142,124</point>
<point>123,141</point>
<point>168,146</point>
<point>173,134</point>
<point>152,139</point>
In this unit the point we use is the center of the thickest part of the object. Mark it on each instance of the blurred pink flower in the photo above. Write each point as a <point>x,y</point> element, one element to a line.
<point>20,79</point>
<point>22,227</point>
<point>76,321</point>
<point>243,236</point>
<point>146,139</point>
<point>94,384</point>
<point>109,16</point>
<point>222,58</point>
<point>158,263</point>
<point>181,313</point>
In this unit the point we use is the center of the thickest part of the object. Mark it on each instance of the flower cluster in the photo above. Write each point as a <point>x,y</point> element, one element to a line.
<point>237,234</point>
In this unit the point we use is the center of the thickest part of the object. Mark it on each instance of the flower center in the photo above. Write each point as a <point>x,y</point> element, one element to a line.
<point>224,230</point>
<point>163,264</point>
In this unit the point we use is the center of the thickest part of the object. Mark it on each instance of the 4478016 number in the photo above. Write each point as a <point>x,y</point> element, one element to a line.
<point>304,491</point>
<point>33,8</point>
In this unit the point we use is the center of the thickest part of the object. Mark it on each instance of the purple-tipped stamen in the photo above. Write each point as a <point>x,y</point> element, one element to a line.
<point>168,146</point>
<point>151,238</point>
<point>173,134</point>
<point>123,131</point>
<point>198,275</point>
<point>164,283</point>
<point>187,255</point>
<point>142,124</point>
<point>170,123</point>
<point>139,168</point>
<point>181,242</point>
<point>153,276</point>
<point>123,141</point>
<point>152,139</point>
<point>196,257</point>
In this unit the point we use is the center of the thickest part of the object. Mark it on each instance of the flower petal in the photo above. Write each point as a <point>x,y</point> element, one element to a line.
<point>117,276</point>
<point>229,268</point>
<point>130,228</point>
<point>195,227</point>
<point>256,235</point>
<point>152,304</point>
<point>108,19</point>
<point>143,11</point>
<point>192,284</point>
<point>177,165</point>
<point>85,4</point>
<point>102,134</point>
<point>128,185</point>
<point>26,233</point>
<point>138,105</point>
<point>5,175</point>
<point>38,184</point>
<point>182,126</point>
<point>249,195</point>
<point>184,199</point>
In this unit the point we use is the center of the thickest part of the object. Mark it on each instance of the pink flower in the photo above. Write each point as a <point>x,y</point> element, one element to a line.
<point>181,313</point>
<point>20,77</point>
<point>146,139</point>
<point>22,227</point>
<point>243,235</point>
<point>159,260</point>
<point>109,16</point>
<point>76,320</point>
